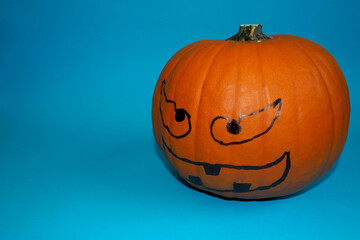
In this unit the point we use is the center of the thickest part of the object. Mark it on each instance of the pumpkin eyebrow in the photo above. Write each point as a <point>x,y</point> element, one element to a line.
<point>162,92</point>
<point>273,105</point>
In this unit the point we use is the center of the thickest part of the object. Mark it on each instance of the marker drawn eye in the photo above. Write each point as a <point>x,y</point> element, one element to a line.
<point>180,115</point>
<point>227,131</point>
<point>175,120</point>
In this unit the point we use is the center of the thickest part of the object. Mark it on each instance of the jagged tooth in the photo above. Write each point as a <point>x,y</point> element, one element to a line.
<point>212,169</point>
<point>195,180</point>
<point>241,187</point>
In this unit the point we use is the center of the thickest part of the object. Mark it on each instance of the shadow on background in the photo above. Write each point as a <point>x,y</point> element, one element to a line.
<point>173,172</point>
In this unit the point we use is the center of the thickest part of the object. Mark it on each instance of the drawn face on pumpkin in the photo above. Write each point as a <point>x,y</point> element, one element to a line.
<point>226,115</point>
<point>224,132</point>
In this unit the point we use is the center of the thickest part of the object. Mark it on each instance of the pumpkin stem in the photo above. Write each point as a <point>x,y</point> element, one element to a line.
<point>250,32</point>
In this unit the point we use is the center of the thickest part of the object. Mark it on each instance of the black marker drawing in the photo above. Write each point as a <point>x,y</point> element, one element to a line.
<point>233,126</point>
<point>214,170</point>
<point>180,115</point>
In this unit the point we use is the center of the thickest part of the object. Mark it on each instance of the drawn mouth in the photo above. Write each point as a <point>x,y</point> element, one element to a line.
<point>215,169</point>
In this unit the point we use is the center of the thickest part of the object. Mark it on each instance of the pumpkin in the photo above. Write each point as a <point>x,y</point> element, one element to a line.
<point>253,116</point>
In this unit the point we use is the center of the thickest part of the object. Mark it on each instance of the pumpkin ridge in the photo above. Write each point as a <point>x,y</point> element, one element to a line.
<point>193,52</point>
<point>181,56</point>
<point>331,104</point>
<point>161,78</point>
<point>325,67</point>
<point>178,60</point>
<point>239,75</point>
<point>184,55</point>
<point>296,94</point>
<point>261,73</point>
<point>196,122</point>
<point>339,87</point>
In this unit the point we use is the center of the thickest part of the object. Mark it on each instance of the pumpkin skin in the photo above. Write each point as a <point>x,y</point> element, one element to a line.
<point>254,119</point>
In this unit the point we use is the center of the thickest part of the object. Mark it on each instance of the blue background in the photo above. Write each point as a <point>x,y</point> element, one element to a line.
<point>77,154</point>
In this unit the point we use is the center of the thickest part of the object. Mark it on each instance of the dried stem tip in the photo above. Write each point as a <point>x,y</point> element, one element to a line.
<point>250,32</point>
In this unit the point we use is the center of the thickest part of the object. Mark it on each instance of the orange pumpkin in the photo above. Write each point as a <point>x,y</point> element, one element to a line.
<point>253,116</point>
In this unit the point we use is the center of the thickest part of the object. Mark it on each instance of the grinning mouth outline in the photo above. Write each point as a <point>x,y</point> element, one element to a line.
<point>214,170</point>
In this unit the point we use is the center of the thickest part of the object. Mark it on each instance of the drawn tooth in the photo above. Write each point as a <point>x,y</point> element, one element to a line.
<point>212,169</point>
<point>241,187</point>
<point>195,180</point>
